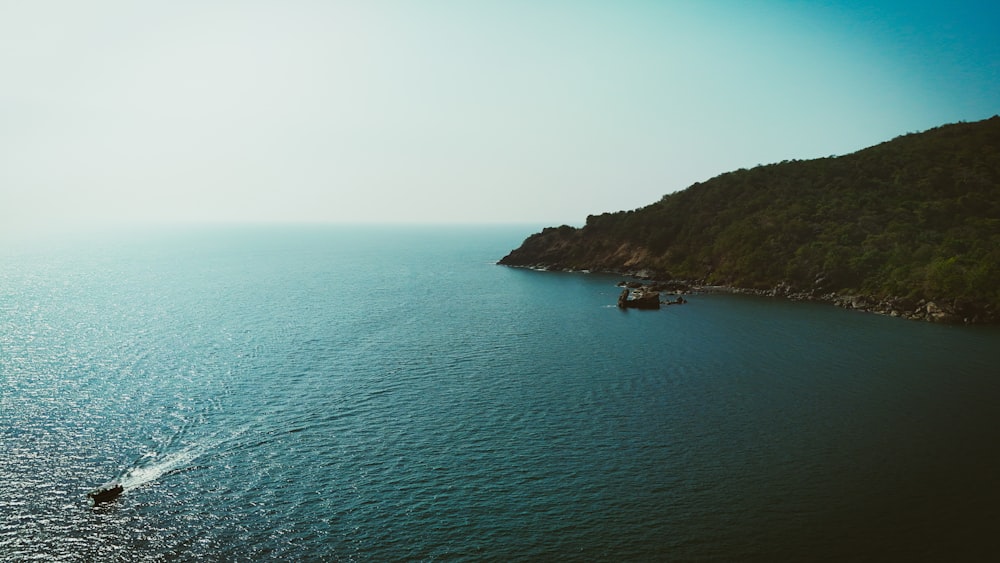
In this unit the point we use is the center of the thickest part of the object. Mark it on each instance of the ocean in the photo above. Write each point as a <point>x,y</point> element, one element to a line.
<point>388,393</point>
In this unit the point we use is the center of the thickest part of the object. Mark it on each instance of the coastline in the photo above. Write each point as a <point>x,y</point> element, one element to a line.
<point>944,311</point>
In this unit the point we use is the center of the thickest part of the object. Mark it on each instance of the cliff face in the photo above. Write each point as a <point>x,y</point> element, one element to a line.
<point>915,219</point>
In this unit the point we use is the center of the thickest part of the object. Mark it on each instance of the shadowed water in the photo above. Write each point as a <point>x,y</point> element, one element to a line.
<point>376,393</point>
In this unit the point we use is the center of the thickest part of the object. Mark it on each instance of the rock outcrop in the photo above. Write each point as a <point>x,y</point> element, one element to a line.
<point>639,298</point>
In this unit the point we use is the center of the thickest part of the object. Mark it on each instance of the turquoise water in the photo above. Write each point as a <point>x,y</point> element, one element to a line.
<point>388,393</point>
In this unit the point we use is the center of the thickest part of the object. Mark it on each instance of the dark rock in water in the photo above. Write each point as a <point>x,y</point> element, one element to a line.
<point>639,299</point>
<point>106,493</point>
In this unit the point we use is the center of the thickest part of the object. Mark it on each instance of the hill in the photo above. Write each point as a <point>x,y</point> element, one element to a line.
<point>909,226</point>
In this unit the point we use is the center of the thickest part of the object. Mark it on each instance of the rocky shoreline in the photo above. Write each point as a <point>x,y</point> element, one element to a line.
<point>953,311</point>
<point>946,312</point>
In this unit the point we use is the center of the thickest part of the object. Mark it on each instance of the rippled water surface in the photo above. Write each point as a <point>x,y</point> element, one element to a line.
<point>375,393</point>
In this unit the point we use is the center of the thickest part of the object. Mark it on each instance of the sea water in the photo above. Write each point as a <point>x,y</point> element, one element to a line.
<point>389,393</point>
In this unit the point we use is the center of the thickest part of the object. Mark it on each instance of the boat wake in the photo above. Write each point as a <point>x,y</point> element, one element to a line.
<point>159,466</point>
<point>152,465</point>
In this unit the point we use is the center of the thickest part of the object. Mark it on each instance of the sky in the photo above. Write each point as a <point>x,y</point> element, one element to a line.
<point>437,111</point>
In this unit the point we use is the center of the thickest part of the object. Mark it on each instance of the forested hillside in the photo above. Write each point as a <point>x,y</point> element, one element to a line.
<point>915,219</point>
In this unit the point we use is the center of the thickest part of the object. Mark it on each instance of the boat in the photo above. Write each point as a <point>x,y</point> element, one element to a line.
<point>106,493</point>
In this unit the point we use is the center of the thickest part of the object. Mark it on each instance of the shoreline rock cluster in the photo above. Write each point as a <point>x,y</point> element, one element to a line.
<point>942,311</point>
<point>639,298</point>
<point>638,295</point>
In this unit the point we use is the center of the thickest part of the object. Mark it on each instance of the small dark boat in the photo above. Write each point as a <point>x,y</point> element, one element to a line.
<point>106,493</point>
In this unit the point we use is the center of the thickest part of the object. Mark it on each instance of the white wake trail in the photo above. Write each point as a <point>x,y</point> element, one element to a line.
<point>159,465</point>
<point>155,469</point>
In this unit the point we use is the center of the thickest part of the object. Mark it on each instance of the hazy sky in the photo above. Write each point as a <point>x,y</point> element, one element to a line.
<point>454,111</point>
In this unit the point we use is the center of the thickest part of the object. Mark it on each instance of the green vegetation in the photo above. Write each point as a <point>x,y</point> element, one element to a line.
<point>916,218</point>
